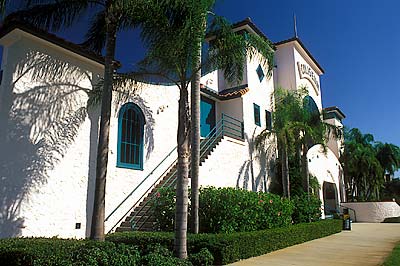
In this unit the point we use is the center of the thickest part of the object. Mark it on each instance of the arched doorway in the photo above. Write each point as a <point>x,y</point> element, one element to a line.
<point>330,196</point>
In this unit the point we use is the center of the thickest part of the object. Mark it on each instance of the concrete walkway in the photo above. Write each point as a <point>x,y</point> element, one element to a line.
<point>366,245</point>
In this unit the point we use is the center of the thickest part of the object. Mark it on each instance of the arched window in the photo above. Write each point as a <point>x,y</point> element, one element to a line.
<point>311,106</point>
<point>130,137</point>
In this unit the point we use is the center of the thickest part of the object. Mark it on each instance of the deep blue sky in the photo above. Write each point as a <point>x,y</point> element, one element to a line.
<point>355,41</point>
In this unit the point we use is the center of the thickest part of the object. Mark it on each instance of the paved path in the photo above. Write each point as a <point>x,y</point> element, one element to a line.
<point>366,245</point>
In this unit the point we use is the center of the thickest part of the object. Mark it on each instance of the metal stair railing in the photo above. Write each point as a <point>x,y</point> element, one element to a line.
<point>228,126</point>
<point>204,145</point>
<point>136,188</point>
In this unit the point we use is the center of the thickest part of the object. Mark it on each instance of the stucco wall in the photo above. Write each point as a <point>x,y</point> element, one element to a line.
<point>326,168</point>
<point>46,146</point>
<point>49,141</point>
<point>285,72</point>
<point>231,165</point>
<point>302,82</point>
<point>372,212</point>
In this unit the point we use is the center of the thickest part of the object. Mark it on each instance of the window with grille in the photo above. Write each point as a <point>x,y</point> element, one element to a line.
<point>130,137</point>
<point>268,120</point>
<point>257,119</point>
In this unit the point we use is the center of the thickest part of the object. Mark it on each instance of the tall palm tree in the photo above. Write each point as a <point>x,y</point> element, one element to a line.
<point>110,17</point>
<point>312,130</point>
<point>287,111</point>
<point>363,172</point>
<point>173,41</point>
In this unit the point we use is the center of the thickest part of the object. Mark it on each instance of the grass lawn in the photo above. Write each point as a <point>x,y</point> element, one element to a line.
<point>394,258</point>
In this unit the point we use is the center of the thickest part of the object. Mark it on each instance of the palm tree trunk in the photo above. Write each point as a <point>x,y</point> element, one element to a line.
<point>97,227</point>
<point>306,173</point>
<point>195,140</point>
<point>285,171</point>
<point>183,175</point>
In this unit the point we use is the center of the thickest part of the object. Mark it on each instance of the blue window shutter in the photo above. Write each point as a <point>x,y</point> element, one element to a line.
<point>130,137</point>
<point>257,119</point>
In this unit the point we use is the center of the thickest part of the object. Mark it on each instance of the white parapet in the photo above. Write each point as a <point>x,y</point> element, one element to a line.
<point>372,212</point>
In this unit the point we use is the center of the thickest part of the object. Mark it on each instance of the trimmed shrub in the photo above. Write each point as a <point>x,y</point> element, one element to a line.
<point>157,255</point>
<point>306,208</point>
<point>228,248</point>
<point>226,210</point>
<point>203,258</point>
<point>41,251</point>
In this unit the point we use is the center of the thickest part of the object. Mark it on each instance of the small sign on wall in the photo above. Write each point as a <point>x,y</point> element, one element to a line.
<point>306,72</point>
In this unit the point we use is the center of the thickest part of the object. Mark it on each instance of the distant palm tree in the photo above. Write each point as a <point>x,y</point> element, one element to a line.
<point>364,174</point>
<point>109,17</point>
<point>389,156</point>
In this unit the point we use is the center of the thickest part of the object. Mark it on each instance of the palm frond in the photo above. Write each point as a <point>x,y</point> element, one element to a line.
<point>52,16</point>
<point>95,38</point>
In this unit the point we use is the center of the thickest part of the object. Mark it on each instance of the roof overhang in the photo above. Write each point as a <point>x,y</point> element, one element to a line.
<point>304,51</point>
<point>7,30</point>
<point>336,110</point>
<point>228,94</point>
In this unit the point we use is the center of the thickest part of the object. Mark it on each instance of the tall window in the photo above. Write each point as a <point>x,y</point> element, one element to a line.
<point>257,118</point>
<point>260,73</point>
<point>268,120</point>
<point>130,137</point>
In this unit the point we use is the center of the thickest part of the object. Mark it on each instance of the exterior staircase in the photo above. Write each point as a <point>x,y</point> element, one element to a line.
<point>141,217</point>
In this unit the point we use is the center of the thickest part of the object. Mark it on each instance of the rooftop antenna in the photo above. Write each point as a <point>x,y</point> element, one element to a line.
<point>295,25</point>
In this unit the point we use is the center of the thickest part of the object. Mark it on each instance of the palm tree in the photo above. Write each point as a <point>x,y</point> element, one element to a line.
<point>173,54</point>
<point>287,111</point>
<point>3,4</point>
<point>110,17</point>
<point>389,156</point>
<point>311,130</point>
<point>296,126</point>
<point>363,172</point>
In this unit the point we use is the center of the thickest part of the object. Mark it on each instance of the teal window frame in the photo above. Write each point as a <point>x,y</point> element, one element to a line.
<point>260,73</point>
<point>268,120</point>
<point>131,140</point>
<point>257,115</point>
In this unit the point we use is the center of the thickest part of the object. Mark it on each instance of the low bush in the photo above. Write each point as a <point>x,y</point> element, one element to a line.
<point>157,255</point>
<point>164,209</point>
<point>307,208</point>
<point>202,258</point>
<point>225,210</point>
<point>53,251</point>
<point>228,248</point>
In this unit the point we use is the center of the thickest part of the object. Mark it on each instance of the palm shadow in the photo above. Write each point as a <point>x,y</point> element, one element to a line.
<point>250,176</point>
<point>43,105</point>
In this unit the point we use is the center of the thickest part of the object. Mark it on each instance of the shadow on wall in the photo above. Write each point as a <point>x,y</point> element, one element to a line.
<point>248,178</point>
<point>41,111</point>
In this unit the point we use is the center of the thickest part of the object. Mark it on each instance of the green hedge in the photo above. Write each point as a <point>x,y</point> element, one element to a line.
<point>226,210</point>
<point>66,252</point>
<point>228,248</point>
<point>53,251</point>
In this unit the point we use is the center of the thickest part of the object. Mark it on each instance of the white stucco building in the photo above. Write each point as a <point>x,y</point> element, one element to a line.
<point>48,136</point>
